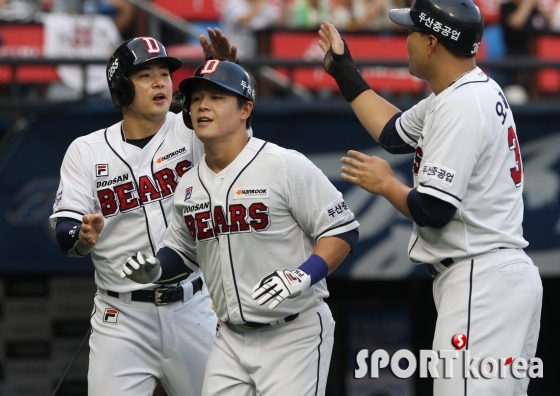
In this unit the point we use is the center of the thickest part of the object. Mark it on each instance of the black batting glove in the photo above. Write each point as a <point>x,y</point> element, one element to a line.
<point>345,73</point>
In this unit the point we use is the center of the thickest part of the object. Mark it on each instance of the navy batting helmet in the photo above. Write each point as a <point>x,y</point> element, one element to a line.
<point>458,24</point>
<point>227,75</point>
<point>130,54</point>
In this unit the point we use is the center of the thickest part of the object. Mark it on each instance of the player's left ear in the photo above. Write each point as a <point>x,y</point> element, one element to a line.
<point>246,110</point>
<point>432,42</point>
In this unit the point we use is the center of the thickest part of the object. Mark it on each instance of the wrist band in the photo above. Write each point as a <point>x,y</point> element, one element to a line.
<point>79,250</point>
<point>345,73</point>
<point>315,267</point>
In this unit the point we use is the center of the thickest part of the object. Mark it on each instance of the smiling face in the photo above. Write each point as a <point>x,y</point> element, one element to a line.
<point>152,90</point>
<point>216,113</point>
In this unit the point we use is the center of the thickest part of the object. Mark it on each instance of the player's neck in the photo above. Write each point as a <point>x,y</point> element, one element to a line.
<point>140,128</point>
<point>222,152</point>
<point>448,72</point>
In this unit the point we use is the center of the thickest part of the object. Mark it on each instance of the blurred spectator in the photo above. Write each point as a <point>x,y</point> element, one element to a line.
<point>306,14</point>
<point>131,22</point>
<point>83,37</point>
<point>341,14</point>
<point>374,14</point>
<point>550,9</point>
<point>18,10</point>
<point>522,21</point>
<point>242,18</point>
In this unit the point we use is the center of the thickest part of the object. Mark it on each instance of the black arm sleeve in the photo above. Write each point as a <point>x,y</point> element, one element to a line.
<point>390,139</point>
<point>67,231</point>
<point>429,211</point>
<point>173,268</point>
<point>351,237</point>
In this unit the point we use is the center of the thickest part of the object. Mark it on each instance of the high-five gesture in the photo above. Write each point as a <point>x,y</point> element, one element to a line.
<point>218,47</point>
<point>330,38</point>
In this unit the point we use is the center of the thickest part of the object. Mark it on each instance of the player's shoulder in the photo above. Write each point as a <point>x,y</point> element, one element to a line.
<point>273,150</point>
<point>176,120</point>
<point>473,86</point>
<point>190,177</point>
<point>175,126</point>
<point>291,160</point>
<point>92,139</point>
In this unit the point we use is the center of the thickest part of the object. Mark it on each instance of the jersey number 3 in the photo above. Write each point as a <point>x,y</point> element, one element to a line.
<point>517,170</point>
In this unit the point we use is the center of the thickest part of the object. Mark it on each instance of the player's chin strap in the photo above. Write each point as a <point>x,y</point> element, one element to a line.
<point>72,362</point>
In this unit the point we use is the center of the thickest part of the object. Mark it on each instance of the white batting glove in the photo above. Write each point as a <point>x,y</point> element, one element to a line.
<point>141,268</point>
<point>279,285</point>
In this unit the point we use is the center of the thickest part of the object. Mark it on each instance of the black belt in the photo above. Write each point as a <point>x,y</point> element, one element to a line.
<point>255,325</point>
<point>446,263</point>
<point>161,295</point>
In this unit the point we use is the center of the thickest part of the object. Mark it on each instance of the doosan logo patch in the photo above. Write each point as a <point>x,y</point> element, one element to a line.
<point>102,170</point>
<point>110,315</point>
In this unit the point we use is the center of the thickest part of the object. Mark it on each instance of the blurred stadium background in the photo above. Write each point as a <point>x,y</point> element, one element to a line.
<point>53,89</point>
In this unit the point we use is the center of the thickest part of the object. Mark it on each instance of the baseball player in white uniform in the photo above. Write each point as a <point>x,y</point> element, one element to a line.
<point>115,198</point>
<point>266,227</point>
<point>466,203</point>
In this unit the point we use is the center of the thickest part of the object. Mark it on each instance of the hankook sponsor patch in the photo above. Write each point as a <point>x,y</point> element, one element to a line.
<point>251,192</point>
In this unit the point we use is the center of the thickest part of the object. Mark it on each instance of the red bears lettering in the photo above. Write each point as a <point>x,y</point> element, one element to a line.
<point>107,200</point>
<point>166,181</point>
<point>258,213</point>
<point>126,200</point>
<point>148,191</point>
<point>203,225</point>
<point>199,225</point>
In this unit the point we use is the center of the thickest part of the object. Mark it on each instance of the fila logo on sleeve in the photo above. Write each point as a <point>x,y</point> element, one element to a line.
<point>110,315</point>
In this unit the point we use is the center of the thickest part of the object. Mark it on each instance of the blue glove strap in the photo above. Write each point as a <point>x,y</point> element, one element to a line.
<point>316,267</point>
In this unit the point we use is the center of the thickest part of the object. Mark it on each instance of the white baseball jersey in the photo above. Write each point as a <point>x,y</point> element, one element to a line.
<point>130,186</point>
<point>467,154</point>
<point>264,212</point>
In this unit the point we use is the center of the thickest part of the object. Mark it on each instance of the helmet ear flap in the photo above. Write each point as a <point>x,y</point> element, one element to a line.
<point>186,113</point>
<point>122,92</point>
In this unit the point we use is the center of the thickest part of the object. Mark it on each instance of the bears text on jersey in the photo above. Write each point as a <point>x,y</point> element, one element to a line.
<point>241,219</point>
<point>125,197</point>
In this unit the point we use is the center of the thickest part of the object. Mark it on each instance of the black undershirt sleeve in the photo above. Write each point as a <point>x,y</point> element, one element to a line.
<point>390,139</point>
<point>429,211</point>
<point>351,237</point>
<point>67,232</point>
<point>173,268</point>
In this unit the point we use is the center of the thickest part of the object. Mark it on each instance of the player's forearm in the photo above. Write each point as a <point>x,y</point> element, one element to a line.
<point>396,193</point>
<point>332,250</point>
<point>173,268</point>
<point>373,112</point>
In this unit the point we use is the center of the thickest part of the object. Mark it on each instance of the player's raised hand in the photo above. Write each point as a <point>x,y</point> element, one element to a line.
<point>330,38</point>
<point>370,173</point>
<point>92,225</point>
<point>141,268</point>
<point>218,47</point>
<point>279,285</point>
